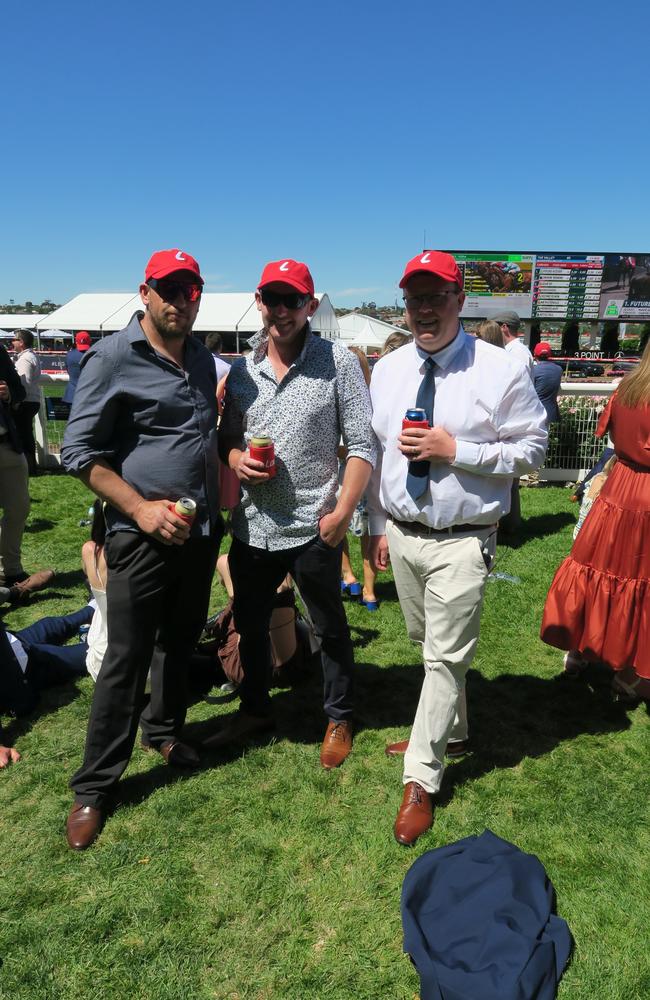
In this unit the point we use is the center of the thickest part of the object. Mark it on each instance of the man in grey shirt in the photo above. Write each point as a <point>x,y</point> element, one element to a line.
<point>305,393</point>
<point>142,434</point>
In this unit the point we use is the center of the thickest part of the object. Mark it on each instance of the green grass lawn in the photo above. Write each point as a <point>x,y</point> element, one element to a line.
<point>263,877</point>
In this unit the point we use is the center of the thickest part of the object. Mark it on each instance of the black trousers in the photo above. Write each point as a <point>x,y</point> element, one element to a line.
<point>157,600</point>
<point>316,568</point>
<point>24,420</point>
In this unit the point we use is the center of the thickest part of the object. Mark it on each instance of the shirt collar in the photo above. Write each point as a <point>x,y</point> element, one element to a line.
<point>136,334</point>
<point>444,357</point>
<point>259,343</point>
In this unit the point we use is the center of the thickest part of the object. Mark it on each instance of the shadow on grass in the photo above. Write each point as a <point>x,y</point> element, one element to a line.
<point>538,526</point>
<point>69,578</point>
<point>39,524</point>
<point>512,717</point>
<point>517,716</point>
<point>50,700</point>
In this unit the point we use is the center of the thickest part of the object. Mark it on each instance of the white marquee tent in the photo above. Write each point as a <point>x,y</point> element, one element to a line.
<point>363,331</point>
<point>19,321</point>
<point>220,312</point>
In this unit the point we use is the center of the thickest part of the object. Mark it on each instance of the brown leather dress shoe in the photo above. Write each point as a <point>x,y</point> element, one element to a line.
<point>176,754</point>
<point>396,749</point>
<point>336,745</point>
<point>241,728</point>
<point>455,748</point>
<point>21,590</point>
<point>415,814</point>
<point>83,826</point>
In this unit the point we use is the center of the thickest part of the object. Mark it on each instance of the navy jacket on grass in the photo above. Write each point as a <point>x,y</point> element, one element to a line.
<point>479,923</point>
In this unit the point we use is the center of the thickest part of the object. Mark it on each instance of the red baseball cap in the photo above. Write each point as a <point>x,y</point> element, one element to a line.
<point>289,272</point>
<point>433,262</point>
<point>543,349</point>
<point>165,262</point>
<point>82,341</point>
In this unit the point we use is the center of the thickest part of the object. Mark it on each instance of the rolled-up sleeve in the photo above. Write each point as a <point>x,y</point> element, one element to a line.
<point>356,412</point>
<point>90,433</point>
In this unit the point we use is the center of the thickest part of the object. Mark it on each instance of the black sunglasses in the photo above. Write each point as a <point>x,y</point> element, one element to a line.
<point>293,300</point>
<point>170,290</point>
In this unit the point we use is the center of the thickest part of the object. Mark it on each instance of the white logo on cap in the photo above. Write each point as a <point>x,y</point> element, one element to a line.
<point>284,267</point>
<point>179,255</point>
<point>426,258</point>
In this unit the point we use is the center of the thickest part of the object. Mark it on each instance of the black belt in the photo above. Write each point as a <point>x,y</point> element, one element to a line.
<point>423,529</point>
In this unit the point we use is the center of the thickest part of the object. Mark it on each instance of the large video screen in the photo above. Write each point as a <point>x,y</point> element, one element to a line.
<point>563,285</point>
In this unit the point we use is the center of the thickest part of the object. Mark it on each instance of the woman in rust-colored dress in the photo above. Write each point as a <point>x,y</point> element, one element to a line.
<point>598,606</point>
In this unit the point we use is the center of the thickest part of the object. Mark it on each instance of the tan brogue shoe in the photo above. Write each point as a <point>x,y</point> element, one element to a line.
<point>455,748</point>
<point>396,749</point>
<point>336,745</point>
<point>415,814</point>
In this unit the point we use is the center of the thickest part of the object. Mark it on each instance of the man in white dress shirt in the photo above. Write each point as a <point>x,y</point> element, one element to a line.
<point>512,340</point>
<point>436,496</point>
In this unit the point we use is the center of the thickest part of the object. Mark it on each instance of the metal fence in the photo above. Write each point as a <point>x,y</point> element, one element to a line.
<point>50,422</point>
<point>573,447</point>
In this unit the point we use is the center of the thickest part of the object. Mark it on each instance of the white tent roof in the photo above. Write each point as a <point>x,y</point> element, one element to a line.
<point>364,331</point>
<point>223,312</point>
<point>88,311</point>
<point>219,311</point>
<point>20,321</point>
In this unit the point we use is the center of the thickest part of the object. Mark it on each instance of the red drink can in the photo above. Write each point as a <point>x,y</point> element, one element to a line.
<point>263,450</point>
<point>415,418</point>
<point>185,508</point>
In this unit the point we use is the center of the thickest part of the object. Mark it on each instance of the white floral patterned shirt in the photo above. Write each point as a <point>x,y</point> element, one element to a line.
<point>321,399</point>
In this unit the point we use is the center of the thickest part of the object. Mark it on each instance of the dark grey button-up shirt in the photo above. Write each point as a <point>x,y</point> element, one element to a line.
<point>322,398</point>
<point>152,422</point>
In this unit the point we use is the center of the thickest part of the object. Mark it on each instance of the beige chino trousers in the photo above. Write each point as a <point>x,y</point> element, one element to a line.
<point>440,583</point>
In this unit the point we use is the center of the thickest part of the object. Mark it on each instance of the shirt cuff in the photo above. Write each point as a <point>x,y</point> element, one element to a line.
<point>467,455</point>
<point>77,463</point>
<point>368,456</point>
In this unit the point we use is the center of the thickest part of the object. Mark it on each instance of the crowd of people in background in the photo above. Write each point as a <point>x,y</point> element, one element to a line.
<point>311,445</point>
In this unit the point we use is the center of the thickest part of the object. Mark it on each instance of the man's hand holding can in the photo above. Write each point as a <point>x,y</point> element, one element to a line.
<point>160,519</point>
<point>256,464</point>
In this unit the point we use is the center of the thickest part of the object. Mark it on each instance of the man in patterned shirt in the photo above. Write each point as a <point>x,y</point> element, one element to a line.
<point>304,393</point>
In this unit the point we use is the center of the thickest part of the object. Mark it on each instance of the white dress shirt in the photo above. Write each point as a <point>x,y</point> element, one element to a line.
<point>29,368</point>
<point>518,350</point>
<point>18,650</point>
<point>221,367</point>
<point>484,400</point>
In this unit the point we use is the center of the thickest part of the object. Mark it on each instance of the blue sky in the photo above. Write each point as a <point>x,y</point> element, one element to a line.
<point>333,133</point>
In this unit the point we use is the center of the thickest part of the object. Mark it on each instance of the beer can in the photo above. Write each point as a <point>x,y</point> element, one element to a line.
<point>415,417</point>
<point>83,633</point>
<point>262,449</point>
<point>185,508</point>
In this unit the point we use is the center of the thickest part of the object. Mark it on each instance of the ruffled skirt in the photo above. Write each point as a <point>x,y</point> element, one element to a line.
<point>599,601</point>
